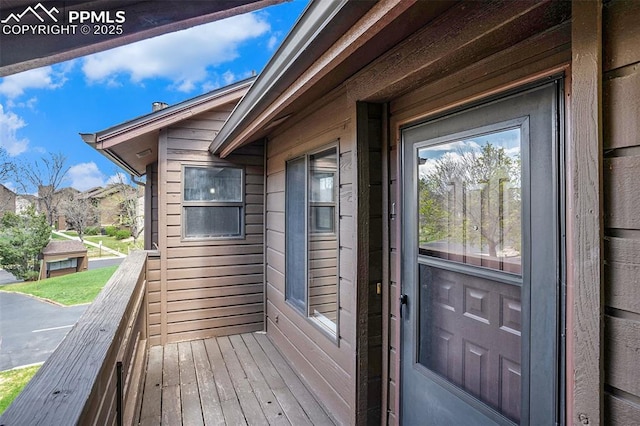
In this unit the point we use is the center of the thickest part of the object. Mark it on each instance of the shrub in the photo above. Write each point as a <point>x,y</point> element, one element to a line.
<point>22,238</point>
<point>111,231</point>
<point>122,234</point>
<point>92,230</point>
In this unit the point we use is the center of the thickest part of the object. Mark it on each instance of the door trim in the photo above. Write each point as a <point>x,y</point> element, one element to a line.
<point>558,178</point>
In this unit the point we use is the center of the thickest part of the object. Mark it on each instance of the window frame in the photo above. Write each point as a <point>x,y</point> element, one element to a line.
<point>240,205</point>
<point>303,310</point>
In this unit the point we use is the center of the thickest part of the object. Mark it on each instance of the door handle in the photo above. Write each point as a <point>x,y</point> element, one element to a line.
<point>404,299</point>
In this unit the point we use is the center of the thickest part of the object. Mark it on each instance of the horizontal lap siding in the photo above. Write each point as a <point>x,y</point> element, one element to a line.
<point>328,368</point>
<point>153,298</point>
<point>214,287</point>
<point>621,110</point>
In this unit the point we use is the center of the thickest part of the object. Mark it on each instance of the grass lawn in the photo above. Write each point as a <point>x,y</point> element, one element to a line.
<point>12,382</point>
<point>120,245</point>
<point>123,246</point>
<point>68,290</point>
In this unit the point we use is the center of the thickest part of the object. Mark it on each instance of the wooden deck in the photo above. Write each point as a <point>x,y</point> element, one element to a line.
<point>235,380</point>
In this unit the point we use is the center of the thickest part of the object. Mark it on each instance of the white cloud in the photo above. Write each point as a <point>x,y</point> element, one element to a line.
<point>271,44</point>
<point>39,78</point>
<point>182,57</point>
<point>84,176</point>
<point>228,77</point>
<point>10,123</point>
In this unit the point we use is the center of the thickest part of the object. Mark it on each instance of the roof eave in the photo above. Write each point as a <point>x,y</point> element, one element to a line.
<point>316,17</point>
<point>165,117</point>
<point>103,140</point>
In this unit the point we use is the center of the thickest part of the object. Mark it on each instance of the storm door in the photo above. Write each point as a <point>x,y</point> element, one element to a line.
<point>481,268</point>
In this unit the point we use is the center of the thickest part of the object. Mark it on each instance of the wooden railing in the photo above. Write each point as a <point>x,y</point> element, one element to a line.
<point>95,375</point>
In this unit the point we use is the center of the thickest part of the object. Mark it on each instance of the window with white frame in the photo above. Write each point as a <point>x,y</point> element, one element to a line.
<point>212,202</point>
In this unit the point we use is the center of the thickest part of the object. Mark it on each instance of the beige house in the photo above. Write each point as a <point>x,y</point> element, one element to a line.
<point>429,207</point>
<point>8,200</point>
<point>109,202</point>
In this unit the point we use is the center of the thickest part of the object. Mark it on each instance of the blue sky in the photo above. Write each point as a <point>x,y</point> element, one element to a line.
<point>43,110</point>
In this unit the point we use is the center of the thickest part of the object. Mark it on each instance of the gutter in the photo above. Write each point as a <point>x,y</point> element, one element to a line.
<point>317,16</point>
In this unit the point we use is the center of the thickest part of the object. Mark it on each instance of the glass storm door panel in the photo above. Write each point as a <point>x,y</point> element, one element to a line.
<point>480,269</point>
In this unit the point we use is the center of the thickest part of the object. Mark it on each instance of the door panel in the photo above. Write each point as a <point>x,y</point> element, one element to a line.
<point>471,337</point>
<point>482,263</point>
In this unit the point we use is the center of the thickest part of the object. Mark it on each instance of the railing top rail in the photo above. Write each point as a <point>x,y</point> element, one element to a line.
<point>59,393</point>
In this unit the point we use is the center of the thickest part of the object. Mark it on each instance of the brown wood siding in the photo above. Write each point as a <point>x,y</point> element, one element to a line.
<point>328,368</point>
<point>621,109</point>
<point>213,287</point>
<point>153,298</point>
<point>540,51</point>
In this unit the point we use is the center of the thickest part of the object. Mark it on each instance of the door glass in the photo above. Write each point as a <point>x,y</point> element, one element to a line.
<point>469,211</point>
<point>470,201</point>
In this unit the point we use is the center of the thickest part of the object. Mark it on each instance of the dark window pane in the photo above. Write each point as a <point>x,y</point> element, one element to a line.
<point>469,200</point>
<point>210,221</point>
<point>213,184</point>
<point>295,233</point>
<point>323,219</point>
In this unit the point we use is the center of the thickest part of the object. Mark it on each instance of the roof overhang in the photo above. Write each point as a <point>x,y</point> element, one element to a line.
<point>21,51</point>
<point>330,42</point>
<point>132,145</point>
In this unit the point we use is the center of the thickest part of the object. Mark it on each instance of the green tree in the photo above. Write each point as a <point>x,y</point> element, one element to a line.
<point>472,199</point>
<point>22,238</point>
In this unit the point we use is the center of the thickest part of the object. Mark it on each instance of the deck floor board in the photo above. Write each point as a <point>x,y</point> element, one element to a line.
<point>234,380</point>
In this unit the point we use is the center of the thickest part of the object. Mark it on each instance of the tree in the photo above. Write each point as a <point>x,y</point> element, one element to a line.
<point>6,166</point>
<point>22,238</point>
<point>131,217</point>
<point>46,176</point>
<point>6,169</point>
<point>79,213</point>
<point>472,199</point>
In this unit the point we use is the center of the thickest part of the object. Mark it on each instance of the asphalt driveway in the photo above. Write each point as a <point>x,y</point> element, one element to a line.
<point>30,329</point>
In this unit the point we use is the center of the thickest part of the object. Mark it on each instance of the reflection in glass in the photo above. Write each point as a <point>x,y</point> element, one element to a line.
<point>222,184</point>
<point>323,239</point>
<point>470,204</point>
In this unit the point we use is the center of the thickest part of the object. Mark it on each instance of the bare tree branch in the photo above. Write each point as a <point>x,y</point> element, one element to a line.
<point>46,176</point>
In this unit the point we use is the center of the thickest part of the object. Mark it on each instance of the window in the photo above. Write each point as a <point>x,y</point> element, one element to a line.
<point>213,202</point>
<point>62,264</point>
<point>311,237</point>
<point>470,203</point>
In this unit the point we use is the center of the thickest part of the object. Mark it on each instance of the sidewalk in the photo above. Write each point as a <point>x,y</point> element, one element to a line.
<point>89,243</point>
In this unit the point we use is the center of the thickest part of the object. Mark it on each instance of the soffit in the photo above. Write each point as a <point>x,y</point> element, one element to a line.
<point>144,19</point>
<point>395,30</point>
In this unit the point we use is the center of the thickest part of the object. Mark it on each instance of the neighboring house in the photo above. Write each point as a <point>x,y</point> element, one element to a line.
<point>8,200</point>
<point>62,258</point>
<point>109,203</point>
<point>52,205</point>
<point>410,200</point>
<point>23,201</point>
